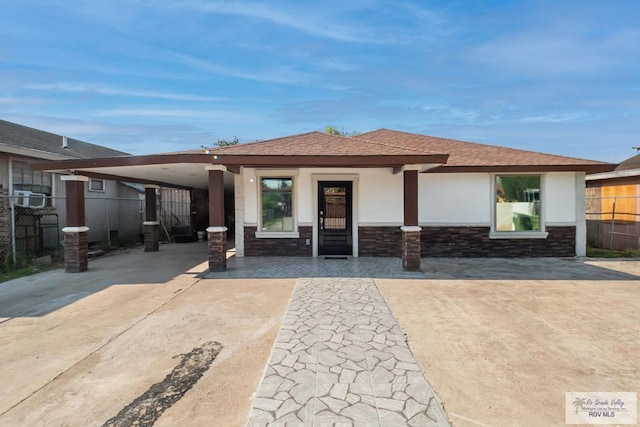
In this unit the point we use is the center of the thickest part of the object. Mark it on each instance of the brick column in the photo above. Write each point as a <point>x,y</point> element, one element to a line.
<point>410,229</point>
<point>76,246</point>
<point>151,224</point>
<point>217,239</point>
<point>411,248</point>
<point>217,232</point>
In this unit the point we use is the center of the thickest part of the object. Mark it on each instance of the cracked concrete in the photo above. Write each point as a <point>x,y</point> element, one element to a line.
<point>145,410</point>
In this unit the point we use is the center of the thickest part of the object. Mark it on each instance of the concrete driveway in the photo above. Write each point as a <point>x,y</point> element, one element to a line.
<point>500,341</point>
<point>78,348</point>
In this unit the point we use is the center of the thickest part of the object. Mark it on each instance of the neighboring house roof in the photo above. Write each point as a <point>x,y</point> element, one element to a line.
<point>630,163</point>
<point>469,156</point>
<point>381,148</point>
<point>629,168</point>
<point>30,142</point>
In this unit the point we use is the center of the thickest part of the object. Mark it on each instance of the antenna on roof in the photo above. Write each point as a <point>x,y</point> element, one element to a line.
<point>637,148</point>
<point>64,142</point>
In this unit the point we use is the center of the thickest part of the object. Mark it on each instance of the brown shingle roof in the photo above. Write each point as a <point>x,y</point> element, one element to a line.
<point>469,154</point>
<point>313,149</point>
<point>322,144</point>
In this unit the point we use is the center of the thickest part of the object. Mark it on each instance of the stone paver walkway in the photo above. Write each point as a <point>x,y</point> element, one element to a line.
<point>340,359</point>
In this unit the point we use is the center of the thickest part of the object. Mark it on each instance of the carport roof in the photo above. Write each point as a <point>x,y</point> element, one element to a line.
<point>382,148</point>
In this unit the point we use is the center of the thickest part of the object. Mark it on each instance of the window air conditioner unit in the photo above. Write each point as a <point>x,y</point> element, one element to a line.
<point>28,199</point>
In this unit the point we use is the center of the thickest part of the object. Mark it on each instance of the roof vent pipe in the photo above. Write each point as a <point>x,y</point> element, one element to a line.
<point>64,142</point>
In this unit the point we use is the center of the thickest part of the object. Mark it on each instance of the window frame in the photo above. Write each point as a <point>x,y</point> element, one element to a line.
<point>529,234</point>
<point>277,174</point>
<point>40,182</point>
<point>104,185</point>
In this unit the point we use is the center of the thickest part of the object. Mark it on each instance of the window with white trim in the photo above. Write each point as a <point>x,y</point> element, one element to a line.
<point>517,204</point>
<point>276,204</point>
<point>96,185</point>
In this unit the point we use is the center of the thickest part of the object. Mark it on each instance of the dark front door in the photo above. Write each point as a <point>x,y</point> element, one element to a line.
<point>334,218</point>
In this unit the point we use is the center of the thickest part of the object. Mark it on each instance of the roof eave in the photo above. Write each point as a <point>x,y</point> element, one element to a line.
<point>588,168</point>
<point>129,179</point>
<point>627,173</point>
<point>246,160</point>
<point>31,152</point>
<point>153,159</point>
<point>329,160</point>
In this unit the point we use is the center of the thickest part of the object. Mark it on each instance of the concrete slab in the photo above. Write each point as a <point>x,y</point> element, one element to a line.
<point>100,339</point>
<point>504,350</point>
<point>499,340</point>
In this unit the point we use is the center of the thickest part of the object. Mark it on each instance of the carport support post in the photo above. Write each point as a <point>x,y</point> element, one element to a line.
<point>216,232</point>
<point>411,230</point>
<point>76,246</point>
<point>151,224</point>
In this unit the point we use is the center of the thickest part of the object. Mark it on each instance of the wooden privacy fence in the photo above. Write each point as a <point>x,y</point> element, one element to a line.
<point>613,222</point>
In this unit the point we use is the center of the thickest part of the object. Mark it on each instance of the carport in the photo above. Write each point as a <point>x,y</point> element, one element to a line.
<point>194,170</point>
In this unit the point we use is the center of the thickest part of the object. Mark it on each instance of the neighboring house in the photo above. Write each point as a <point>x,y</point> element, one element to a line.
<point>613,206</point>
<point>382,193</point>
<point>40,208</point>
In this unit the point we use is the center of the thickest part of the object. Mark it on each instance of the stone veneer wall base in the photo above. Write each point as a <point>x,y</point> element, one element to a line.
<point>474,242</point>
<point>254,246</point>
<point>380,241</point>
<point>466,242</point>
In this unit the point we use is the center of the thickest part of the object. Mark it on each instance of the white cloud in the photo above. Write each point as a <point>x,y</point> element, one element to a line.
<point>192,114</point>
<point>114,91</point>
<point>316,23</point>
<point>280,75</point>
<point>564,117</point>
<point>449,114</point>
<point>15,101</point>
<point>340,21</point>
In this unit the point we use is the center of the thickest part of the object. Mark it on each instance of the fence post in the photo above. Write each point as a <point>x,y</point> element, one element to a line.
<point>613,223</point>
<point>106,205</point>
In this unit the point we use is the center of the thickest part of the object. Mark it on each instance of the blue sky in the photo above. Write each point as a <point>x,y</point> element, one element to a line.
<point>149,76</point>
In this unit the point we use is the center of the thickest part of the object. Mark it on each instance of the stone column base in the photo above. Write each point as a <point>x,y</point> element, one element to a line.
<point>411,248</point>
<point>151,236</point>
<point>217,239</point>
<point>76,250</point>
